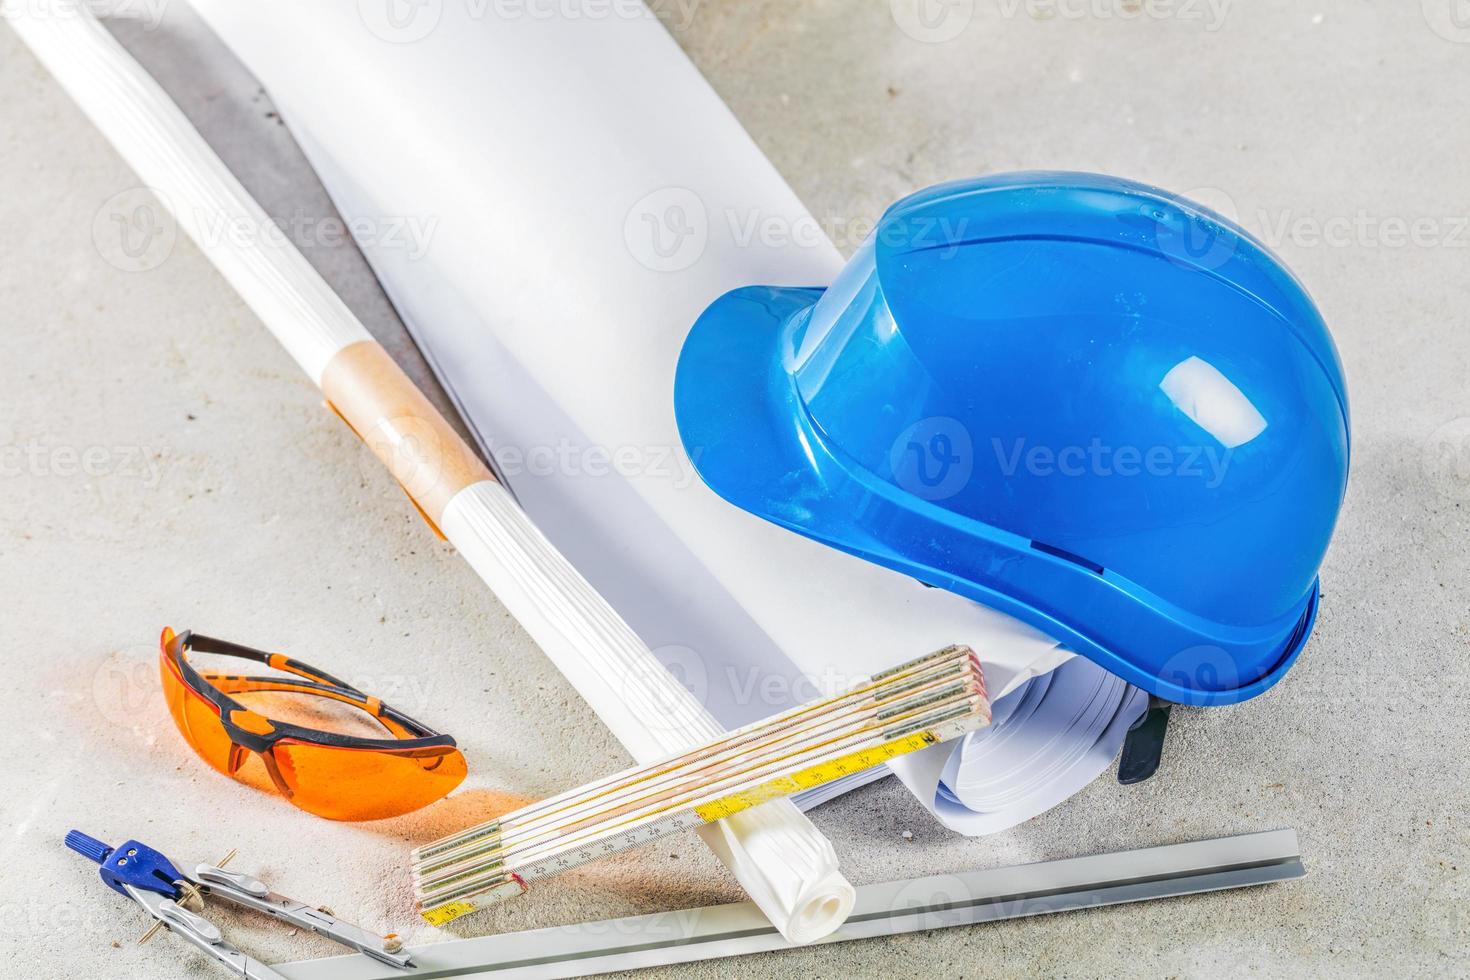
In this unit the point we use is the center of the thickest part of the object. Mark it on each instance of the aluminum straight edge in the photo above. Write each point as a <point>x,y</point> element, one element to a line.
<point>885,909</point>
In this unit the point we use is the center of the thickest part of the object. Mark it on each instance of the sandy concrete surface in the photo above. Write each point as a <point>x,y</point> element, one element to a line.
<point>164,462</point>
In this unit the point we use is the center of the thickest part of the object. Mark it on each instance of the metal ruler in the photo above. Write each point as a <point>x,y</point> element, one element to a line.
<point>886,909</point>
<point>910,707</point>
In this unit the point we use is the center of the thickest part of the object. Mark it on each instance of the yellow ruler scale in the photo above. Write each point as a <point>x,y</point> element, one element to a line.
<point>813,776</point>
<point>516,835</point>
<point>901,710</point>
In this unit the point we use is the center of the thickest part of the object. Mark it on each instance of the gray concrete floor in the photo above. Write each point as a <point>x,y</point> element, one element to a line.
<point>164,462</point>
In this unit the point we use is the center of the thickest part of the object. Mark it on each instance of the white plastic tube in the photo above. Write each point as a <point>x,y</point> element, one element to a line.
<point>786,865</point>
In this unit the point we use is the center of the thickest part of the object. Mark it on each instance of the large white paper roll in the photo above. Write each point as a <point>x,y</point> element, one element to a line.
<point>589,195</point>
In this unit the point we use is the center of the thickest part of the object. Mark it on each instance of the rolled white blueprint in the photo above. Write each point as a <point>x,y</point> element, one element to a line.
<point>787,867</point>
<point>589,195</point>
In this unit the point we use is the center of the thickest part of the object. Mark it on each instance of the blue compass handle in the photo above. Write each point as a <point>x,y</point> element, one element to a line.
<point>88,847</point>
<point>130,863</point>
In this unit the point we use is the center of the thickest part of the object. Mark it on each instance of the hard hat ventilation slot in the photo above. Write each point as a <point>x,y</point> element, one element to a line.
<point>1065,555</point>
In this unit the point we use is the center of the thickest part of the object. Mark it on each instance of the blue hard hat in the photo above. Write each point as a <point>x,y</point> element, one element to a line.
<point>1088,403</point>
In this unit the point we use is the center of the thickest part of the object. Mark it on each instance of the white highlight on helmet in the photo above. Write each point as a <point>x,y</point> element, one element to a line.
<point>1199,390</point>
<point>838,309</point>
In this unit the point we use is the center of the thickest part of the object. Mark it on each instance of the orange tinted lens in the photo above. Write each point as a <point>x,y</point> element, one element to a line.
<point>366,784</point>
<point>197,719</point>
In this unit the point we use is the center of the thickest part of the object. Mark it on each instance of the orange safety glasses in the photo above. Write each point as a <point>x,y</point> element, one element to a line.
<point>341,777</point>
